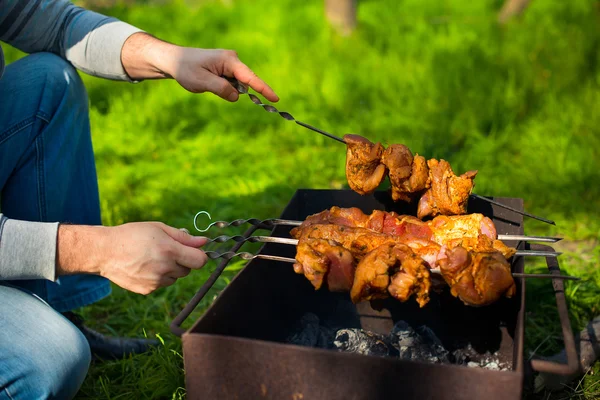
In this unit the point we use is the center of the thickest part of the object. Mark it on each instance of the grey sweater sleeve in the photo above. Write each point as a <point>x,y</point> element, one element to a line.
<point>27,249</point>
<point>90,41</point>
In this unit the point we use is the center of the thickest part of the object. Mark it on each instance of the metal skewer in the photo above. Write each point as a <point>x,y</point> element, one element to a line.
<point>249,256</point>
<point>286,115</point>
<point>276,221</point>
<point>294,242</point>
<point>512,209</point>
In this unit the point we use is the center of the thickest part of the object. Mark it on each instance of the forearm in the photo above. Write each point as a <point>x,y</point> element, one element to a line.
<point>145,57</point>
<point>40,250</point>
<point>80,249</point>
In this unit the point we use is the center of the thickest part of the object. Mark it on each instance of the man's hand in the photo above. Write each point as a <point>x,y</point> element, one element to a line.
<point>197,70</point>
<point>140,257</point>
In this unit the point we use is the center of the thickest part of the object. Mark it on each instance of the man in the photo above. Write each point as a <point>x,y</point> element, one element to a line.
<point>54,254</point>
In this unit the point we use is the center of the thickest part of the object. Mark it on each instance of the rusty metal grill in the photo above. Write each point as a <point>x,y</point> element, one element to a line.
<point>236,350</point>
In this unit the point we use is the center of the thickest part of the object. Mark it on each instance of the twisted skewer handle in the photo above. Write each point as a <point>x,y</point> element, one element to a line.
<point>252,239</point>
<point>234,223</point>
<point>242,89</point>
<point>271,222</point>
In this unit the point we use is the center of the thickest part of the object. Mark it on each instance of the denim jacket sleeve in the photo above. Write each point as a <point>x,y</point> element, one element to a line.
<point>27,249</point>
<point>91,41</point>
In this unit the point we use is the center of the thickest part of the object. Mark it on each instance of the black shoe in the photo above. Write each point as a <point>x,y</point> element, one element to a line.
<point>105,347</point>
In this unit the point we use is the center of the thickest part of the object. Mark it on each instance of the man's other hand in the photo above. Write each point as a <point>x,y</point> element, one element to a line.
<point>197,70</point>
<point>140,257</point>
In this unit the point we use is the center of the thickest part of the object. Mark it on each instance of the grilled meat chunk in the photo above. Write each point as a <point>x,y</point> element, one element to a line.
<point>321,260</point>
<point>408,175</point>
<point>364,170</point>
<point>477,278</point>
<point>391,269</point>
<point>341,235</point>
<point>448,194</point>
<point>481,244</point>
<point>351,216</point>
<point>460,226</point>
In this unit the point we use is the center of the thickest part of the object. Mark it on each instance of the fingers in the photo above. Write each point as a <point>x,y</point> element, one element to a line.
<point>179,272</point>
<point>220,87</point>
<point>183,236</point>
<point>245,75</point>
<point>166,281</point>
<point>184,251</point>
<point>189,257</point>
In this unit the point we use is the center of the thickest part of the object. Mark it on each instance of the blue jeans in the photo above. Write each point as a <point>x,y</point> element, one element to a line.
<point>42,355</point>
<point>48,174</point>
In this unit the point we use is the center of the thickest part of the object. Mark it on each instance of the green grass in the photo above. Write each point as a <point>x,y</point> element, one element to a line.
<point>519,103</point>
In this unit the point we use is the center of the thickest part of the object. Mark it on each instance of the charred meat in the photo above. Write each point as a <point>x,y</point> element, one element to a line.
<point>391,269</point>
<point>448,194</point>
<point>364,170</point>
<point>321,260</point>
<point>477,278</point>
<point>409,175</point>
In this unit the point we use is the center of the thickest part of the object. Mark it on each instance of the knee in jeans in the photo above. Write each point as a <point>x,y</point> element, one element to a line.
<point>59,364</point>
<point>61,76</point>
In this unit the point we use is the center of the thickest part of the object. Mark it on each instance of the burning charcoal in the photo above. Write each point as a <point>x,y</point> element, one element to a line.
<point>461,358</point>
<point>493,365</point>
<point>311,333</point>
<point>470,357</point>
<point>364,342</point>
<point>422,345</point>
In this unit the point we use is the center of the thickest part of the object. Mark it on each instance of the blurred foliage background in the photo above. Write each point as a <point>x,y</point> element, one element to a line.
<point>520,102</point>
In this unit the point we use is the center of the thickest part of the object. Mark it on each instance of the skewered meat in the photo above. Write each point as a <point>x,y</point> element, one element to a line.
<point>322,260</point>
<point>470,231</point>
<point>439,189</point>
<point>364,170</point>
<point>391,269</point>
<point>473,263</point>
<point>449,194</point>
<point>477,278</point>
<point>473,231</point>
<point>408,175</point>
